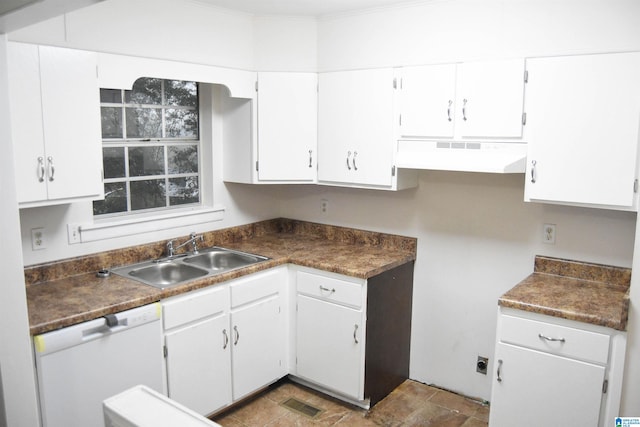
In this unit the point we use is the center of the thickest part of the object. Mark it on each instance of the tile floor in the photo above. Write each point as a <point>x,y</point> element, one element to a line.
<point>411,404</point>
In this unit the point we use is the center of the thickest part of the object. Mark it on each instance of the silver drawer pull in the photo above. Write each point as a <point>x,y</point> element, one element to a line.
<point>235,329</point>
<point>226,339</point>
<point>499,373</point>
<point>332,290</point>
<point>355,331</point>
<point>546,338</point>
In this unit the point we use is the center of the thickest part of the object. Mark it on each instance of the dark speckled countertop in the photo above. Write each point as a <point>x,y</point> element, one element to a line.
<point>590,293</point>
<point>67,292</point>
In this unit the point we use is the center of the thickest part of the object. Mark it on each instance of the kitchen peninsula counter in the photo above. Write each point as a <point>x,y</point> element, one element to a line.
<point>584,292</point>
<point>67,292</point>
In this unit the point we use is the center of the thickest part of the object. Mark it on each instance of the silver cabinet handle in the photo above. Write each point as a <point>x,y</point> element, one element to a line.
<point>355,167</point>
<point>533,171</point>
<point>464,109</point>
<point>41,170</point>
<point>235,329</point>
<point>355,330</point>
<point>499,378</point>
<point>332,290</point>
<point>310,158</point>
<point>52,168</point>
<point>348,155</point>
<point>226,339</point>
<point>449,110</point>
<point>546,338</point>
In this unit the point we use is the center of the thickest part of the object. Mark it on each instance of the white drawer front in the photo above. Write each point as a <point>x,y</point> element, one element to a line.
<point>194,306</point>
<point>555,339</point>
<point>330,289</point>
<point>257,286</point>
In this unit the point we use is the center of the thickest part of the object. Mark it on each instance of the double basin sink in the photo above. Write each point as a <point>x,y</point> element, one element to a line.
<point>179,269</point>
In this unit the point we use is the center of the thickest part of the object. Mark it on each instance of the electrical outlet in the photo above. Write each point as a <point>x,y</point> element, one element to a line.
<point>324,206</point>
<point>549,234</point>
<point>38,240</point>
<point>73,233</point>
<point>482,364</point>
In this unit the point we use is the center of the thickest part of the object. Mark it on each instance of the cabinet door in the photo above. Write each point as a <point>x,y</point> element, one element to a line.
<point>355,127</point>
<point>199,365</point>
<point>583,113</point>
<point>426,99</point>
<point>540,389</point>
<point>26,121</point>
<point>330,346</point>
<point>490,99</point>
<point>287,126</point>
<point>71,118</point>
<point>258,339</point>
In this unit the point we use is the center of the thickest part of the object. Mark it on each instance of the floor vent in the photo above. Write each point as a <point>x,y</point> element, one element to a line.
<point>301,408</point>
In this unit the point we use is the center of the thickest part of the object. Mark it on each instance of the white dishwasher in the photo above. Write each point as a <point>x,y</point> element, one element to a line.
<point>80,366</point>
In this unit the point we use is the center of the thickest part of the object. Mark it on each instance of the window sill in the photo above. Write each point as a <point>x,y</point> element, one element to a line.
<point>109,229</point>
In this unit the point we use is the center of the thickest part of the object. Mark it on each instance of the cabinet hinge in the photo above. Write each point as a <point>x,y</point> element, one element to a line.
<point>256,85</point>
<point>635,186</point>
<point>165,351</point>
<point>524,119</point>
<point>605,386</point>
<point>256,165</point>
<point>393,170</point>
<point>526,76</point>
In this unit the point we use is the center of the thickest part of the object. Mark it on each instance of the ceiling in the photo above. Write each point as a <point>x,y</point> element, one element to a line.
<point>302,7</point>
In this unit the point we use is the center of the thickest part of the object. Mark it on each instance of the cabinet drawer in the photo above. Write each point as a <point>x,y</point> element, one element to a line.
<point>257,286</point>
<point>194,306</point>
<point>330,289</point>
<point>560,340</point>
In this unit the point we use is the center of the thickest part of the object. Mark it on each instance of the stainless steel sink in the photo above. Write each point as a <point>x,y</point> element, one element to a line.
<point>222,259</point>
<point>181,269</point>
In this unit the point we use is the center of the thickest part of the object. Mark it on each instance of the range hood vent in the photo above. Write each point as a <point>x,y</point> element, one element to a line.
<point>488,157</point>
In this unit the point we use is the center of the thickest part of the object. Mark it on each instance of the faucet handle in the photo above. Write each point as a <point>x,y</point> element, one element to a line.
<point>170,248</point>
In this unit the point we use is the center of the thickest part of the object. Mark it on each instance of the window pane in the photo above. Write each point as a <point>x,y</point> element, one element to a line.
<point>146,161</point>
<point>111,122</point>
<point>113,96</point>
<point>144,122</point>
<point>181,123</point>
<point>183,159</point>
<point>145,91</point>
<point>184,190</point>
<point>148,194</point>
<point>115,199</point>
<point>113,162</point>
<point>181,93</point>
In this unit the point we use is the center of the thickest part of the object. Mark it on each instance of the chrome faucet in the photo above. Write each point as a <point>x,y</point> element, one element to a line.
<point>193,239</point>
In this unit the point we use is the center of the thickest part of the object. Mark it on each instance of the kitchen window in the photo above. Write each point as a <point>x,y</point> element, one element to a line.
<point>150,147</point>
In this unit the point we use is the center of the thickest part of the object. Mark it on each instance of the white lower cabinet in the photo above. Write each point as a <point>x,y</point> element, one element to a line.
<point>330,345</point>
<point>551,371</point>
<point>345,345</point>
<point>258,331</point>
<point>226,341</point>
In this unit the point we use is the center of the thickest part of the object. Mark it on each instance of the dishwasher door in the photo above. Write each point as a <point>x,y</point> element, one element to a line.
<point>80,366</point>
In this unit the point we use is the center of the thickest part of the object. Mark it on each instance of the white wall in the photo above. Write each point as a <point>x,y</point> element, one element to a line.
<point>18,392</point>
<point>477,238</point>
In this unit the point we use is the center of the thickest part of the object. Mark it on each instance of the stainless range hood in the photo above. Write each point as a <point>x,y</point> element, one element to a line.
<point>487,157</point>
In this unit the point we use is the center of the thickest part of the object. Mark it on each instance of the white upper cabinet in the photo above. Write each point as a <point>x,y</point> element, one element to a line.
<point>583,115</point>
<point>355,129</point>
<point>462,101</point>
<point>426,97</point>
<point>287,127</point>
<point>55,119</point>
